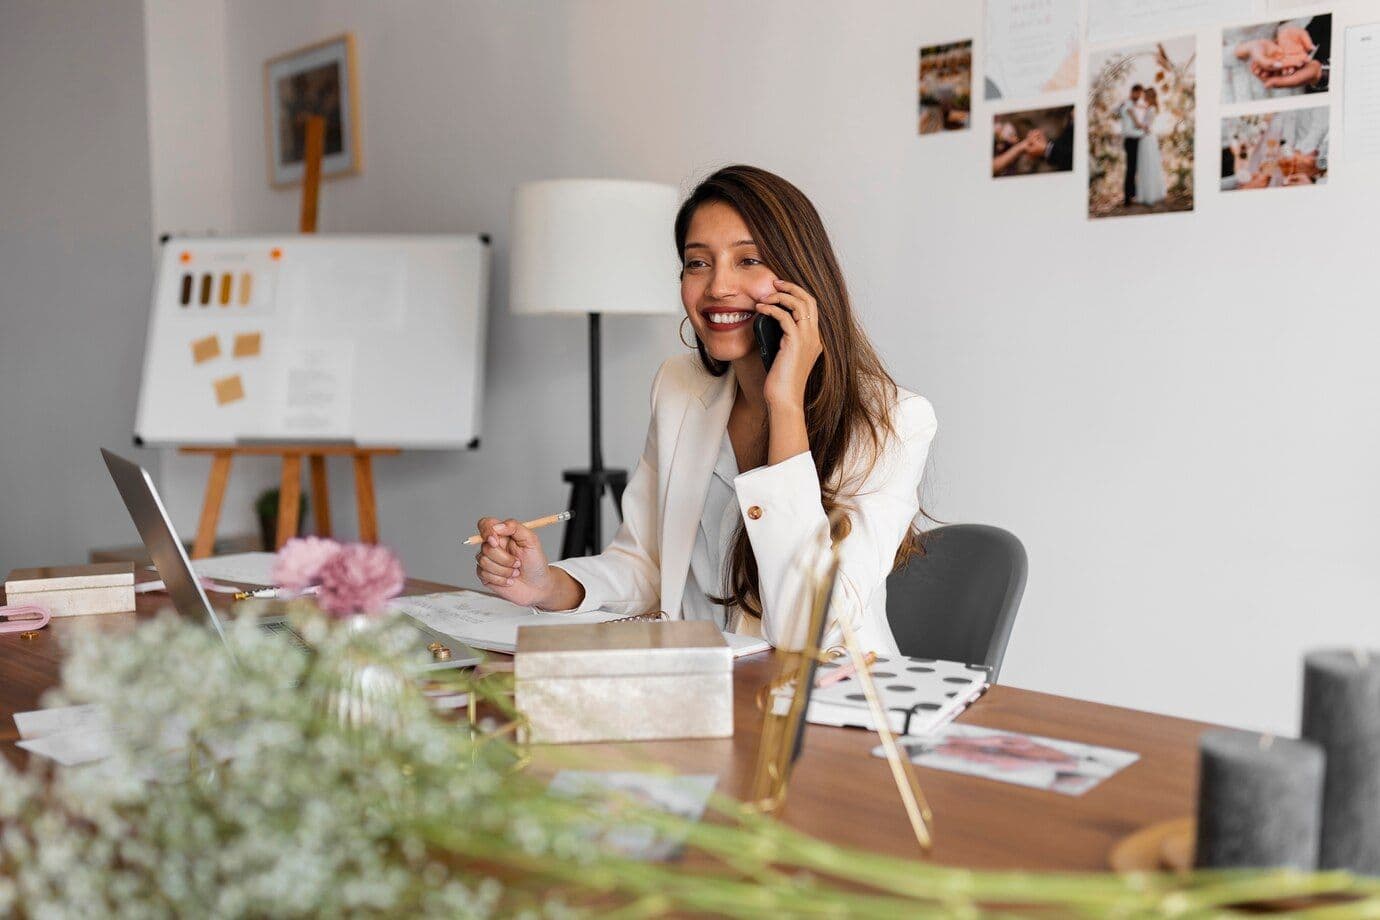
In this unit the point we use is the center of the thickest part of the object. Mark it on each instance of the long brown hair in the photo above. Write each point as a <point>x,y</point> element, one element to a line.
<point>848,395</point>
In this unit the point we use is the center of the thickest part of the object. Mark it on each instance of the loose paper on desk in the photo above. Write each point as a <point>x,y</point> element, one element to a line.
<point>245,568</point>
<point>70,735</point>
<point>1361,111</point>
<point>484,621</point>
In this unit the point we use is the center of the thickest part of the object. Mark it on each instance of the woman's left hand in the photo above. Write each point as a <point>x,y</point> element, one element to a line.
<point>801,346</point>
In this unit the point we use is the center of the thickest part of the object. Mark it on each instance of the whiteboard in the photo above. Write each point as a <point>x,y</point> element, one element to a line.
<point>376,340</point>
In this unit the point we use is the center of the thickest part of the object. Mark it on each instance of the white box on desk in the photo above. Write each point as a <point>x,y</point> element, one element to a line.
<point>624,681</point>
<point>74,590</point>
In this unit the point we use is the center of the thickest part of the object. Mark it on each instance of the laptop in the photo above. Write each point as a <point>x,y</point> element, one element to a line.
<point>170,558</point>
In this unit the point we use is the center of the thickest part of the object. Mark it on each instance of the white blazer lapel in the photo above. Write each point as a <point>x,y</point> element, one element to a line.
<point>696,449</point>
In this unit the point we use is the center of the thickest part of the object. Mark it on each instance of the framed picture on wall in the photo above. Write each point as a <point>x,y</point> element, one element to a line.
<point>316,80</point>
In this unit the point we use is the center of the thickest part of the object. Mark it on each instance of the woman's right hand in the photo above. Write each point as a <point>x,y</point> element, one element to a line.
<point>512,564</point>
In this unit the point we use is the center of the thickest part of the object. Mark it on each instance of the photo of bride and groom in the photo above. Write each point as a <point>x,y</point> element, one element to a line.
<point>1144,180</point>
<point>1140,129</point>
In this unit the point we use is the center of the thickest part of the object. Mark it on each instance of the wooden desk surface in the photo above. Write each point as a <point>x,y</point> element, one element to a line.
<point>839,791</point>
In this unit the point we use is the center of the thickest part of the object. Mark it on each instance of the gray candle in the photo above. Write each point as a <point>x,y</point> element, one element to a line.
<point>1259,801</point>
<point>1341,711</point>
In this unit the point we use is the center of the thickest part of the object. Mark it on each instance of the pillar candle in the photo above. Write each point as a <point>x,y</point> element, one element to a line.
<point>1341,711</point>
<point>1259,801</point>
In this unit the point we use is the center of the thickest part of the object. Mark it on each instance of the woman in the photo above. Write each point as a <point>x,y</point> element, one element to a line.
<point>825,429</point>
<point>1149,173</point>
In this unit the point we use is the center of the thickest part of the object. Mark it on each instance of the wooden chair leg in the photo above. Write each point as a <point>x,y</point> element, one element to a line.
<point>320,495</point>
<point>364,499</point>
<point>210,509</point>
<point>289,497</point>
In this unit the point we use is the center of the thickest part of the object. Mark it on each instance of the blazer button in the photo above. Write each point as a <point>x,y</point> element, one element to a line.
<point>755,512</point>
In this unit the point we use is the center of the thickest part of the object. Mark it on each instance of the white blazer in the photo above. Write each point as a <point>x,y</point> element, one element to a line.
<point>646,566</point>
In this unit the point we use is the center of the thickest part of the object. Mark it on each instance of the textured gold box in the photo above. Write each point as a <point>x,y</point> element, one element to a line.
<point>629,681</point>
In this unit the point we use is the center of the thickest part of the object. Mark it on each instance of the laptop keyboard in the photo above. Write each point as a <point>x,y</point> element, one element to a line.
<point>285,631</point>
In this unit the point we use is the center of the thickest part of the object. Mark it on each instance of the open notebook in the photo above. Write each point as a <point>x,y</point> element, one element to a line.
<point>486,622</point>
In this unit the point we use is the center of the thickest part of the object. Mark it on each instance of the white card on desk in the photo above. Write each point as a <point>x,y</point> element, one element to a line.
<point>68,734</point>
<point>744,645</point>
<point>245,568</point>
<point>918,694</point>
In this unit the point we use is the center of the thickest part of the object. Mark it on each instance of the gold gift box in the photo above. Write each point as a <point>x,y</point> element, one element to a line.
<point>628,681</point>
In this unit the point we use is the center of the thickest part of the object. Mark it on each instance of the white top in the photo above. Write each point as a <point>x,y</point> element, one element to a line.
<point>1127,112</point>
<point>713,540</point>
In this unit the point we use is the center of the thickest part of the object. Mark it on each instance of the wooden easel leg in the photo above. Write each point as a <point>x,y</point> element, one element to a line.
<point>289,496</point>
<point>320,495</point>
<point>210,509</point>
<point>364,499</point>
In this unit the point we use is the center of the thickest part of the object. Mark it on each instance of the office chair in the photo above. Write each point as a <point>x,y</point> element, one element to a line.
<point>958,601</point>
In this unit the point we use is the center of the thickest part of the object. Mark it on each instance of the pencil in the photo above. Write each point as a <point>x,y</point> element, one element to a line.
<point>846,671</point>
<point>530,525</point>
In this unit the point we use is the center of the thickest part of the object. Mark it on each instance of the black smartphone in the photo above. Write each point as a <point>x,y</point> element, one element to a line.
<point>768,332</point>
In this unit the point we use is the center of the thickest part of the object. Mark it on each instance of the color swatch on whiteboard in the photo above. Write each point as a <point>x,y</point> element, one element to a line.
<point>247,344</point>
<point>229,389</point>
<point>204,349</point>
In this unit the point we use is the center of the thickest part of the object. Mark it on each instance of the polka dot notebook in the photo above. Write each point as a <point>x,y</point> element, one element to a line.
<point>919,694</point>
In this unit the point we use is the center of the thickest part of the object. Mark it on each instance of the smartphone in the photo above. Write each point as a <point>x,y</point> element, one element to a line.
<point>768,332</point>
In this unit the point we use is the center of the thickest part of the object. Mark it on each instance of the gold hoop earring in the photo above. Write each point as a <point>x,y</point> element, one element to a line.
<point>681,333</point>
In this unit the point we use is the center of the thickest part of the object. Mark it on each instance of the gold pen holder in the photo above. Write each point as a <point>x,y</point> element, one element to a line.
<point>784,706</point>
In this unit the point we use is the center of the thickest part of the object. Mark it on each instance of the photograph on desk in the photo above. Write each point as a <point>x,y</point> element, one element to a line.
<point>1275,149</point>
<point>1030,142</point>
<point>1271,60</point>
<point>1066,767</point>
<point>1141,108</point>
<point>946,87</point>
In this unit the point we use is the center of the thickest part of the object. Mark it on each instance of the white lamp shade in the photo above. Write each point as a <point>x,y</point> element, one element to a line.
<point>594,246</point>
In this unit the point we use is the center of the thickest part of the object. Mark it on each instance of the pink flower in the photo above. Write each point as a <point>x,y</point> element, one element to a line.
<point>360,578</point>
<point>299,562</point>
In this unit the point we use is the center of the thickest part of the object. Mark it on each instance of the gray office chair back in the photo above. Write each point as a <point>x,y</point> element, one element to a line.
<point>958,601</point>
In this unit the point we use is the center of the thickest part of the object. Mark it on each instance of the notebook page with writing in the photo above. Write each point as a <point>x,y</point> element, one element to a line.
<point>484,621</point>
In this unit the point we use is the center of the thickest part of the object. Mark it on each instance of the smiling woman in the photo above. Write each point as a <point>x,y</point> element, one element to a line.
<point>743,465</point>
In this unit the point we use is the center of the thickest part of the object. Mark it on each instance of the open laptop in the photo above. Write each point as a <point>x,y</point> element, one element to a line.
<point>170,558</point>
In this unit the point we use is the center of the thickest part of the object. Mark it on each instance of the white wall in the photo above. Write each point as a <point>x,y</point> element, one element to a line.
<point>74,259</point>
<point>190,166</point>
<point>1174,413</point>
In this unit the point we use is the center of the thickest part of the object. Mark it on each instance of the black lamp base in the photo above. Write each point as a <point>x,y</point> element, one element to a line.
<point>582,537</point>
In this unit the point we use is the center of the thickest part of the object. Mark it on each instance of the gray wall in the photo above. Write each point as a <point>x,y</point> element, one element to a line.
<point>75,269</point>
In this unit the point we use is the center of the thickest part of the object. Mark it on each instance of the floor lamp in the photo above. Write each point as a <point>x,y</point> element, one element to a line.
<point>593,247</point>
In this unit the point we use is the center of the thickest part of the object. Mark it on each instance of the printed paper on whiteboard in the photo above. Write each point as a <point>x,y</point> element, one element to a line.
<point>315,387</point>
<point>1361,113</point>
<point>1031,48</point>
<point>1109,19</point>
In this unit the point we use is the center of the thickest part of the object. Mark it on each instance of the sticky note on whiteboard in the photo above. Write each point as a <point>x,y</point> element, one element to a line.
<point>205,349</point>
<point>247,344</point>
<point>229,389</point>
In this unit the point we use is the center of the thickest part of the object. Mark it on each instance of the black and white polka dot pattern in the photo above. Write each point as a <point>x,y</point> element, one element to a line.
<point>919,694</point>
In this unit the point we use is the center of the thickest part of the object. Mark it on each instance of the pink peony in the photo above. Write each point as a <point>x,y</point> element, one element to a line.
<point>299,562</point>
<point>360,578</point>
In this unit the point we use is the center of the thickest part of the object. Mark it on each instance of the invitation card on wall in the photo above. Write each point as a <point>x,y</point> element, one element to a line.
<point>1032,47</point>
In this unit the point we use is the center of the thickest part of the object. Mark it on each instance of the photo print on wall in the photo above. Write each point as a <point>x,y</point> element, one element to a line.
<point>1141,105</point>
<point>1031,142</point>
<point>946,87</point>
<point>1275,149</point>
<point>1272,60</point>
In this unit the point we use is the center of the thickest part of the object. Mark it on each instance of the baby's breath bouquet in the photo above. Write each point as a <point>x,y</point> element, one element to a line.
<point>251,779</point>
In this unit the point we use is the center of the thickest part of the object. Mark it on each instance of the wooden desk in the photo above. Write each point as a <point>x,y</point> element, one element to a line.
<point>840,792</point>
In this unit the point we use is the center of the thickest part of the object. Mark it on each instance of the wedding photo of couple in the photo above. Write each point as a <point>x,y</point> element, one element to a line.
<point>1276,59</point>
<point>1140,130</point>
<point>1037,141</point>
